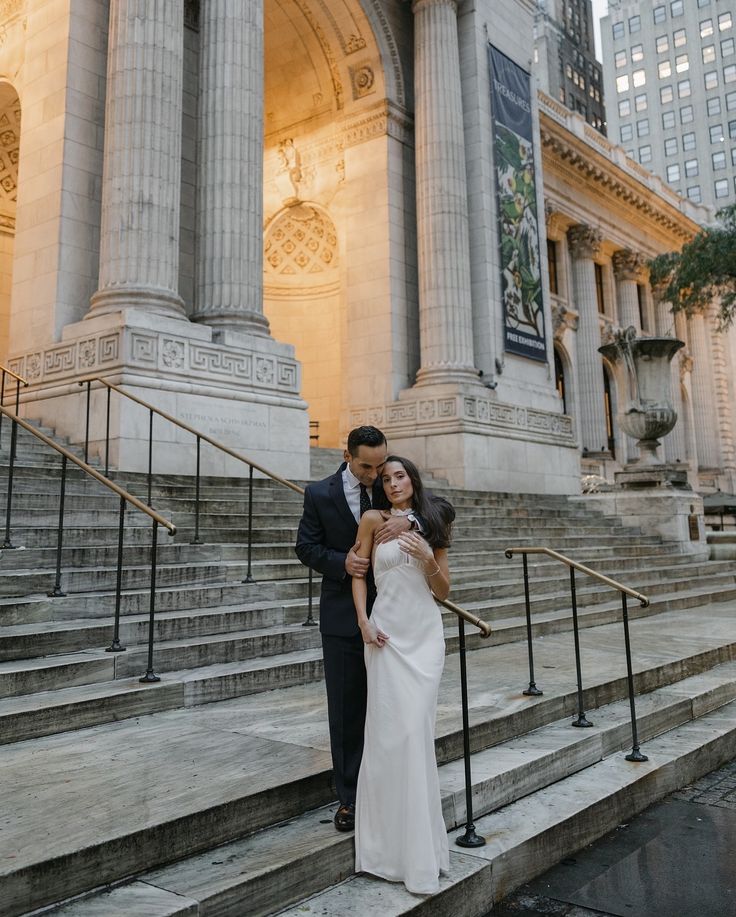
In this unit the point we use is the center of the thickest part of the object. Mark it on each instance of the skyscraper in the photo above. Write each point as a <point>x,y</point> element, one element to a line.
<point>670,79</point>
<point>565,60</point>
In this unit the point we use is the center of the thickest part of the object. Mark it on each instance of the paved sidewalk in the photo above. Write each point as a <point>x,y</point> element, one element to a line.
<point>676,859</point>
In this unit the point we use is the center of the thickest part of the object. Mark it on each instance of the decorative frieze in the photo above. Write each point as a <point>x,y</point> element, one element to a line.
<point>468,414</point>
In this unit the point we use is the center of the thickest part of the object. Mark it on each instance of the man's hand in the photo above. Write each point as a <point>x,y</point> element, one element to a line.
<point>354,565</point>
<point>391,528</point>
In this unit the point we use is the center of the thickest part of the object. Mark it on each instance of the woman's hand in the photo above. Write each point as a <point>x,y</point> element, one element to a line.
<point>412,543</point>
<point>372,634</point>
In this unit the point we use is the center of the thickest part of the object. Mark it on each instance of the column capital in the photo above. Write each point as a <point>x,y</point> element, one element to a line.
<point>628,265</point>
<point>584,241</point>
<point>419,5</point>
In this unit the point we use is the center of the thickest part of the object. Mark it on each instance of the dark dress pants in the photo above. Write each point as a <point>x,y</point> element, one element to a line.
<point>345,681</point>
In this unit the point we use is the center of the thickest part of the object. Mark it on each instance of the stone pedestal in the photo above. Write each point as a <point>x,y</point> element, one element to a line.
<point>246,398</point>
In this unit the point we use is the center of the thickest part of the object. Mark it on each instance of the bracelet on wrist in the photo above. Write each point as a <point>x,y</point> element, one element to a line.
<point>434,572</point>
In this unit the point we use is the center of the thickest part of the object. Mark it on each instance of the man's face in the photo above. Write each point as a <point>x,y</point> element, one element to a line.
<point>367,463</point>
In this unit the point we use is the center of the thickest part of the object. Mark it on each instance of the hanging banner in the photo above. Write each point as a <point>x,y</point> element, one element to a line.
<point>513,145</point>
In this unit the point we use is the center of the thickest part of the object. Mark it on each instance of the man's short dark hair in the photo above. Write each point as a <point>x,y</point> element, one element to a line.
<point>364,436</point>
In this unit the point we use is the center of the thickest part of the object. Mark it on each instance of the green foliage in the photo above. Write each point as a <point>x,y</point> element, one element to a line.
<point>703,272</point>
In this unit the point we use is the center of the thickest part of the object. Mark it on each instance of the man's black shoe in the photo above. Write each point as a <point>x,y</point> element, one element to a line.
<point>345,818</point>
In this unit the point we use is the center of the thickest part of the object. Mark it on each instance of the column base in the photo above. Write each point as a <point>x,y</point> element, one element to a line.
<point>245,397</point>
<point>148,299</point>
<point>235,326</point>
<point>462,433</point>
<point>444,373</point>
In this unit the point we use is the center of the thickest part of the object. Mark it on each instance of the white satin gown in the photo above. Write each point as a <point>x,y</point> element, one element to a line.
<point>399,829</point>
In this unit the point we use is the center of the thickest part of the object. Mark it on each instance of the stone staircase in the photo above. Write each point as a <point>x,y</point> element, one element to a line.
<point>209,792</point>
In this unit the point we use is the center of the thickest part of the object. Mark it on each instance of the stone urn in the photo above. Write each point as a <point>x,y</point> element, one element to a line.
<point>648,412</point>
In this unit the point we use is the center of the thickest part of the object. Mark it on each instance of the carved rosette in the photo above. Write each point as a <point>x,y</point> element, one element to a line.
<point>584,241</point>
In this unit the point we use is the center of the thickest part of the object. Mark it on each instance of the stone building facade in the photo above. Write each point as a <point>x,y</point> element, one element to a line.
<point>255,215</point>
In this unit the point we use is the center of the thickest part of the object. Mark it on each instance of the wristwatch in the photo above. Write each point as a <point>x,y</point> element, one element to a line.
<point>413,522</point>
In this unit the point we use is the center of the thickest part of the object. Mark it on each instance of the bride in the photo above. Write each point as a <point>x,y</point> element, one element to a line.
<point>399,829</point>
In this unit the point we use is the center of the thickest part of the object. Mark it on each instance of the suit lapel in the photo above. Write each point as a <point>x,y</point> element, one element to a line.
<point>337,492</point>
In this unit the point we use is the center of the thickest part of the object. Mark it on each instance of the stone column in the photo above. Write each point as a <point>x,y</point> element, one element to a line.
<point>229,284</point>
<point>445,311</point>
<point>627,266</point>
<point>141,181</point>
<point>664,326</point>
<point>705,412</point>
<point>584,243</point>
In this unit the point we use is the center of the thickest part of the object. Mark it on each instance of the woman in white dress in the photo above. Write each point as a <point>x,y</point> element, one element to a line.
<point>400,832</point>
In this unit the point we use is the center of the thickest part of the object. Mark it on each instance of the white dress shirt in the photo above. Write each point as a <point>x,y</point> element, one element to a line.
<point>351,486</point>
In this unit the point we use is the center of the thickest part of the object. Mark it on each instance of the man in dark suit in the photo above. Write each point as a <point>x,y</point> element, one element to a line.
<point>325,542</point>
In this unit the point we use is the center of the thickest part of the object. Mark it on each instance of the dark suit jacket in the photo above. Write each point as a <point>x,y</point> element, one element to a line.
<point>327,531</point>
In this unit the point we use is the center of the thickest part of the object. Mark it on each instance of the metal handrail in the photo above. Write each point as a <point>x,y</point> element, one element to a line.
<point>19,381</point>
<point>4,369</point>
<point>573,565</point>
<point>125,498</point>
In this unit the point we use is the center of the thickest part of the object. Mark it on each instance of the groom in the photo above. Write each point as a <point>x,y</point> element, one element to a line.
<point>325,542</point>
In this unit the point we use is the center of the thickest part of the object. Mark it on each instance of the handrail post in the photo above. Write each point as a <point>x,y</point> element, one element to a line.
<point>197,539</point>
<point>86,425</point>
<point>470,838</point>
<point>635,754</point>
<point>249,576</point>
<point>310,622</point>
<point>2,402</point>
<point>150,677</point>
<point>116,646</point>
<point>56,591</point>
<point>9,499</point>
<point>107,434</point>
<point>150,451</point>
<point>581,718</point>
<point>532,690</point>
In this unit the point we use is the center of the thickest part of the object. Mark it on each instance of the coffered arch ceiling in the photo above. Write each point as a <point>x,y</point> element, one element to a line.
<point>326,58</point>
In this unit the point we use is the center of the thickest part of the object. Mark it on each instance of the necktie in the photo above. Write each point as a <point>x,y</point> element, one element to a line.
<point>365,503</point>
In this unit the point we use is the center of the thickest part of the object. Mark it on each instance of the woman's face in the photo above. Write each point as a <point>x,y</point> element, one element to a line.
<point>397,485</point>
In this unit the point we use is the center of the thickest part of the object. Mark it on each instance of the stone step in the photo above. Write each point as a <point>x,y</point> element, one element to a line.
<point>205,784</point>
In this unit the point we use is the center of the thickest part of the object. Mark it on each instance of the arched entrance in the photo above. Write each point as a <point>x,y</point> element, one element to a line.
<point>9,156</point>
<point>334,259</point>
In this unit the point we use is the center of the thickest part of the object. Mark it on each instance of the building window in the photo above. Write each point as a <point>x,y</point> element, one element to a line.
<point>552,266</point>
<point>683,89</point>
<point>663,43</point>
<point>709,54</point>
<point>713,105</point>
<point>686,114</point>
<point>688,142</point>
<point>673,173</point>
<point>599,294</point>
<point>659,13</point>
<point>664,69</point>
<point>693,193</point>
<point>620,59</point>
<point>691,168</point>
<point>729,73</point>
<point>642,128</point>
<point>670,146</point>
<point>618,30</point>
<point>721,187</point>
<point>645,154</point>
<point>668,119</point>
<point>679,38</point>
<point>608,409</point>
<point>733,156</point>
<point>711,79</point>
<point>638,78</point>
<point>634,24</point>
<point>681,63</point>
<point>640,102</point>
<point>716,133</point>
<point>728,46</point>
<point>706,28</point>
<point>622,84</point>
<point>676,8</point>
<point>666,94</point>
<point>637,53</point>
<point>730,101</point>
<point>732,130</point>
<point>642,303</point>
<point>626,132</point>
<point>725,21</point>
<point>702,3</point>
<point>624,108</point>
<point>719,160</point>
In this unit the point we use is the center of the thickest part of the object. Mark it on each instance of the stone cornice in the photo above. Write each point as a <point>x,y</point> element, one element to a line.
<point>580,154</point>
